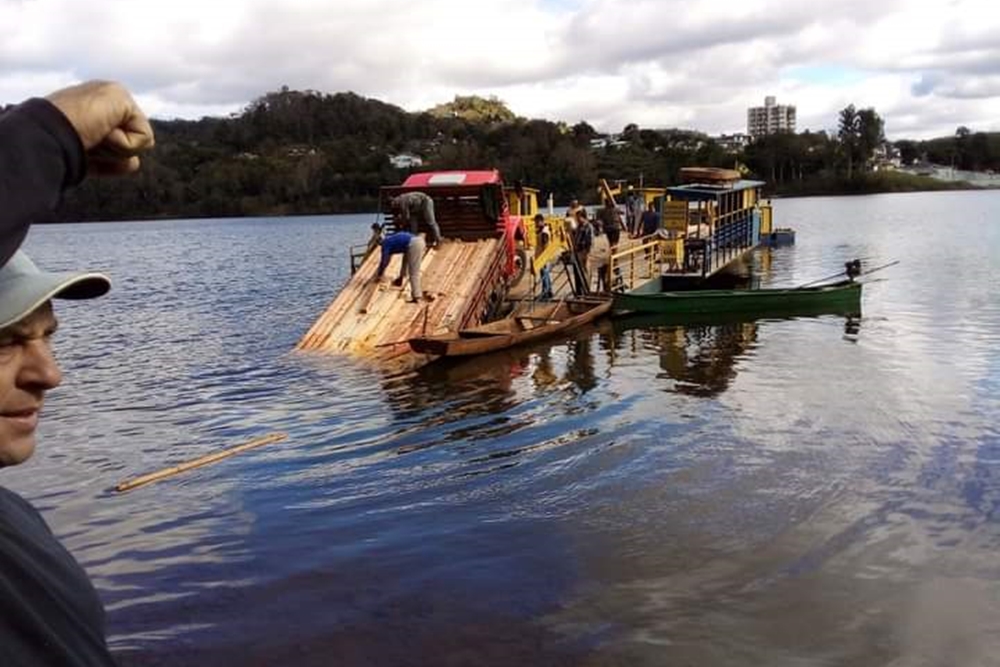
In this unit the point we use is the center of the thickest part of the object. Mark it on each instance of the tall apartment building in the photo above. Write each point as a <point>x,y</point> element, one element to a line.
<point>770,118</point>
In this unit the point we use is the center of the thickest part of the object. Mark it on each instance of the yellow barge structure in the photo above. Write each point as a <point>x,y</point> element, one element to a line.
<point>489,248</point>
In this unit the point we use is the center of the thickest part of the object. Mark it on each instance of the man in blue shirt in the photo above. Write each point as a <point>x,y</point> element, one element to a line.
<point>412,247</point>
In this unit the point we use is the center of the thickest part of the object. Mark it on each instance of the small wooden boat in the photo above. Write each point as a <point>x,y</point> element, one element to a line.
<point>838,297</point>
<point>709,175</point>
<point>526,324</point>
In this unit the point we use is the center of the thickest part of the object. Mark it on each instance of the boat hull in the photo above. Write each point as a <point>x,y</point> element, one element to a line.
<point>842,297</point>
<point>517,329</point>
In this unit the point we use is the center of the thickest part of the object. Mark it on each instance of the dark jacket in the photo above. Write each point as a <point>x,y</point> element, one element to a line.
<point>49,611</point>
<point>583,238</point>
<point>40,158</point>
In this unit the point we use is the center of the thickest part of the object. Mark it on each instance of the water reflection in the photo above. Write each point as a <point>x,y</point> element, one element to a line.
<point>701,354</point>
<point>567,362</point>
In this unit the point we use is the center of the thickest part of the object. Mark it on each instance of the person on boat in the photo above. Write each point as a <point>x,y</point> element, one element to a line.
<point>544,236</point>
<point>50,613</point>
<point>583,240</point>
<point>610,218</point>
<point>574,208</point>
<point>412,207</point>
<point>600,257</point>
<point>633,210</point>
<point>650,219</point>
<point>375,240</point>
<point>412,247</point>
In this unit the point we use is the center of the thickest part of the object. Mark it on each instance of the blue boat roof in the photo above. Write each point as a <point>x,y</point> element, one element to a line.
<point>713,190</point>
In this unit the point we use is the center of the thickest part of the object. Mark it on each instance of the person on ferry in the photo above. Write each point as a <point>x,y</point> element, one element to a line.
<point>412,207</point>
<point>583,241</point>
<point>412,247</point>
<point>544,235</point>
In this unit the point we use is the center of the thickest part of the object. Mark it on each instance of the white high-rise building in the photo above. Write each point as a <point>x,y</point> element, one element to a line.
<point>770,118</point>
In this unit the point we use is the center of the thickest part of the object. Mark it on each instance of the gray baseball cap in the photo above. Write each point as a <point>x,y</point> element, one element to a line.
<point>24,287</point>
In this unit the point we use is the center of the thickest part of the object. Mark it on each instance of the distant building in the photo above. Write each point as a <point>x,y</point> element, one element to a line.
<point>607,141</point>
<point>405,161</point>
<point>733,143</point>
<point>770,118</point>
<point>887,156</point>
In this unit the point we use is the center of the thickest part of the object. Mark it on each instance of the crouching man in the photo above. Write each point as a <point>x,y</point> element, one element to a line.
<point>412,247</point>
<point>50,613</point>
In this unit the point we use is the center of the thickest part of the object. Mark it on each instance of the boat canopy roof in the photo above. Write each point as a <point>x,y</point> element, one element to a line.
<point>710,191</point>
<point>431,179</point>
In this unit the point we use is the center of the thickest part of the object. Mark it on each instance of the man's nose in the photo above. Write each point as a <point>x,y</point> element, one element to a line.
<point>40,368</point>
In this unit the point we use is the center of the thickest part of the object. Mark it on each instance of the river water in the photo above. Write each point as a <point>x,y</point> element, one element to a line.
<point>783,492</point>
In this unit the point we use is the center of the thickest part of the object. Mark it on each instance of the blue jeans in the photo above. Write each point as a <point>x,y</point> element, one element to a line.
<point>546,276</point>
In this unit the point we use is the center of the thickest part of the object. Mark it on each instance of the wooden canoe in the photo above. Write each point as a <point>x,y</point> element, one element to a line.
<point>649,297</point>
<point>527,324</point>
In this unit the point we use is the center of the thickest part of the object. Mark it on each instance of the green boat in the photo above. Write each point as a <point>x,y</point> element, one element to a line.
<point>843,297</point>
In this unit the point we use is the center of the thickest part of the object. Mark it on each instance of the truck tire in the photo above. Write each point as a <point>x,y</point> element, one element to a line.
<point>520,266</point>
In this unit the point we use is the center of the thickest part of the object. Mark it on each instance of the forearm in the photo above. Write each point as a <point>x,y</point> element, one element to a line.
<point>40,157</point>
<point>383,262</point>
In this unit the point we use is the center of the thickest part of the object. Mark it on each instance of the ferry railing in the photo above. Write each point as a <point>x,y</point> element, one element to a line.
<point>645,260</point>
<point>358,253</point>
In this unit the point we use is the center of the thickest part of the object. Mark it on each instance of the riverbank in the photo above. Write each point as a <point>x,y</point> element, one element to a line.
<point>865,184</point>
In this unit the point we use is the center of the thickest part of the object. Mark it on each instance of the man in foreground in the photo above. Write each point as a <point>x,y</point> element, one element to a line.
<point>49,611</point>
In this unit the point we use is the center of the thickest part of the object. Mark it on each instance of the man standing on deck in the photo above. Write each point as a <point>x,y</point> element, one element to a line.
<point>412,247</point>
<point>611,221</point>
<point>650,220</point>
<point>411,207</point>
<point>544,235</point>
<point>583,240</point>
<point>50,613</point>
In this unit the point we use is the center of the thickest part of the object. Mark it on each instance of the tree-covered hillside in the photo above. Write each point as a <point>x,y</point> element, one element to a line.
<point>297,152</point>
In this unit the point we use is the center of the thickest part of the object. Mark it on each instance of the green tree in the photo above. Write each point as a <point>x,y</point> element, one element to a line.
<point>871,134</point>
<point>847,132</point>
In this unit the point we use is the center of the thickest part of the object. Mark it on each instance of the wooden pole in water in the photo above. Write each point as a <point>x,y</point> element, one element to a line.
<point>198,462</point>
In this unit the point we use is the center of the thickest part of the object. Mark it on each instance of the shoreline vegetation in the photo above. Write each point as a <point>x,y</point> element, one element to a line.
<point>307,153</point>
<point>880,182</point>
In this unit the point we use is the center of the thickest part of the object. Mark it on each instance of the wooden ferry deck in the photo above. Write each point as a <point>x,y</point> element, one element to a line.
<point>451,272</point>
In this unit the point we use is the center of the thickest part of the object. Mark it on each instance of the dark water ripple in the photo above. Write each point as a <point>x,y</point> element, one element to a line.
<point>785,492</point>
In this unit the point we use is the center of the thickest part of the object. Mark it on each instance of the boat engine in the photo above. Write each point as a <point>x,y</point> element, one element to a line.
<point>852,269</point>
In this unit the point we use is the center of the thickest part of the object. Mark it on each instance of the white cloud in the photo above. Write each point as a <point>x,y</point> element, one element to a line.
<point>925,66</point>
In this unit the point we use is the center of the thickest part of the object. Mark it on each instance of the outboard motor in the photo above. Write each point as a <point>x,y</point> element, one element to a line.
<point>852,269</point>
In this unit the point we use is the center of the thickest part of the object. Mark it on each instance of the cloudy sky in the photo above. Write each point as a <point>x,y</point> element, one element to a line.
<point>927,66</point>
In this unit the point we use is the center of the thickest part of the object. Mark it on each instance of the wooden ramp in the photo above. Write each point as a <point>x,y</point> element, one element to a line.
<point>455,273</point>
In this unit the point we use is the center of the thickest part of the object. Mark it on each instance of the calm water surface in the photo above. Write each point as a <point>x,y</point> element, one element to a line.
<point>790,492</point>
